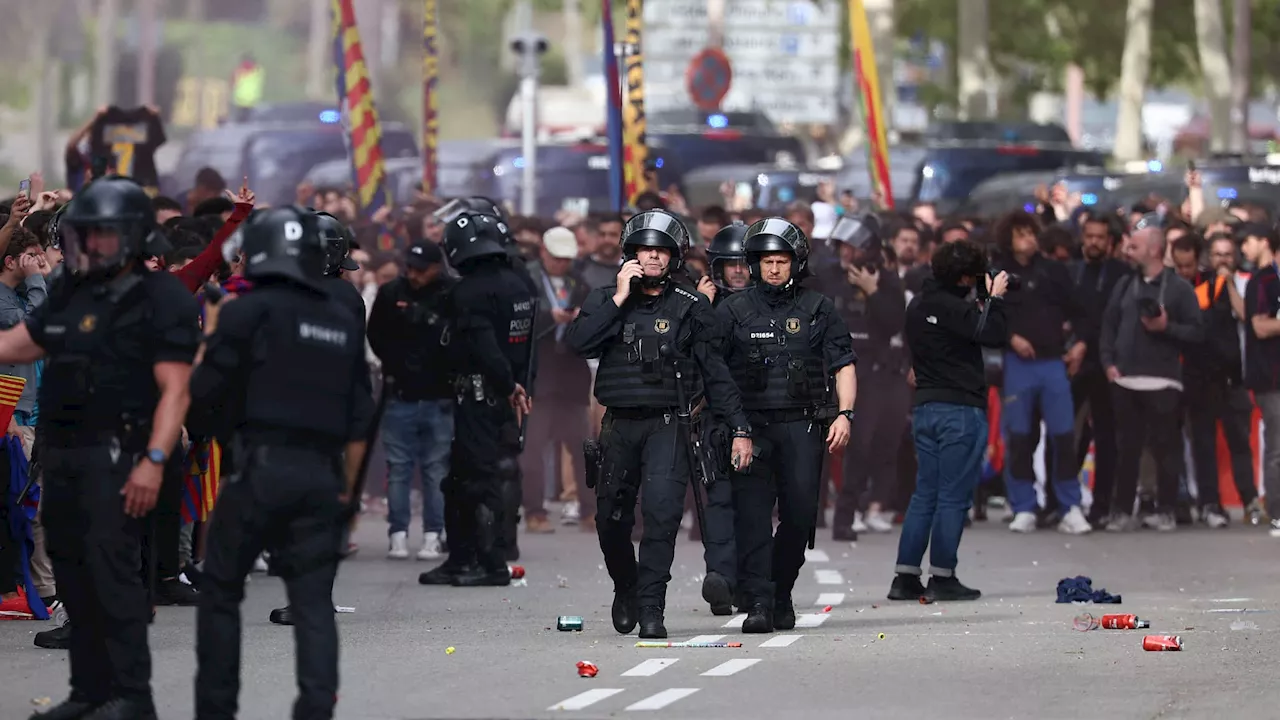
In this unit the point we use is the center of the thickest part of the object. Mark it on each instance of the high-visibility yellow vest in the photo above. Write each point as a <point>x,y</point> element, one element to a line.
<point>248,87</point>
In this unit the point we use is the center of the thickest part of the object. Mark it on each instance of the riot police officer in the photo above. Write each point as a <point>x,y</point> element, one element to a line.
<point>643,328</point>
<point>784,342</point>
<point>337,258</point>
<point>729,274</point>
<point>492,312</point>
<point>119,342</point>
<point>282,378</point>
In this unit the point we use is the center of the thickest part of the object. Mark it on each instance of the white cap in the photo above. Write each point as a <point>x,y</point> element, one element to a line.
<point>824,220</point>
<point>560,243</point>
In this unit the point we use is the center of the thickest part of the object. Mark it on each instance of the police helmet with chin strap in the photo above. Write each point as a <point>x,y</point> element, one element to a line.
<point>725,247</point>
<point>775,235</point>
<point>117,211</point>
<point>473,236</point>
<point>656,229</point>
<point>337,239</point>
<point>281,242</point>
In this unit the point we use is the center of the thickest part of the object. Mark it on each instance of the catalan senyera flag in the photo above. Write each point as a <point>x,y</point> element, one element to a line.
<point>201,480</point>
<point>430,101</point>
<point>364,132</point>
<point>10,390</point>
<point>635,151</point>
<point>868,81</point>
<point>613,108</point>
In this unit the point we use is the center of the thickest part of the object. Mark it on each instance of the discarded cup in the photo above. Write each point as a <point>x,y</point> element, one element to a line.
<point>1158,643</point>
<point>517,571</point>
<point>587,669</point>
<point>1123,622</point>
<point>1085,622</point>
<point>566,623</point>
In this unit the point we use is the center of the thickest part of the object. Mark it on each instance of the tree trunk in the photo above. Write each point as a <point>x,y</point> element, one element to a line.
<point>319,51</point>
<point>107,52</point>
<point>973,60</point>
<point>1211,44</point>
<point>1135,64</point>
<point>1241,71</point>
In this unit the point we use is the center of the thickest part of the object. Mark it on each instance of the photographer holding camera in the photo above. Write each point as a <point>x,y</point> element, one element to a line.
<point>946,334</point>
<point>1150,319</point>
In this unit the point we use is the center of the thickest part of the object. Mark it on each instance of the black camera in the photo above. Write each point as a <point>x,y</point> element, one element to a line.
<point>1148,307</point>
<point>1014,283</point>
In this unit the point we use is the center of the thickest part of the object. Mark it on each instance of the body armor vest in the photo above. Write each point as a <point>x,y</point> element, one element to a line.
<point>773,361</point>
<point>635,371</point>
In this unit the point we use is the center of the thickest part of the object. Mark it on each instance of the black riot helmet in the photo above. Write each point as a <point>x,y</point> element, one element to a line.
<point>862,234</point>
<point>656,228</point>
<point>477,205</point>
<point>337,244</point>
<point>775,235</point>
<point>282,242</point>
<point>472,236</point>
<point>726,246</point>
<point>109,223</point>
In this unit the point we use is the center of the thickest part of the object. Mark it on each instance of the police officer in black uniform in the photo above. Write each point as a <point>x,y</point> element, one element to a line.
<point>643,329</point>
<point>337,258</point>
<point>282,377</point>
<point>784,341</point>
<point>492,312</point>
<point>119,342</point>
<point>729,274</point>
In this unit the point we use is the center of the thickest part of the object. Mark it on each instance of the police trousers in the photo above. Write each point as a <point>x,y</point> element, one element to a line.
<point>482,491</point>
<point>286,502</point>
<point>718,550</point>
<point>768,562</point>
<point>95,550</point>
<point>642,457</point>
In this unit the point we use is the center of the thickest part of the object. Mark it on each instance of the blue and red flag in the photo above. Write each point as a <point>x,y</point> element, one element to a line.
<point>613,109</point>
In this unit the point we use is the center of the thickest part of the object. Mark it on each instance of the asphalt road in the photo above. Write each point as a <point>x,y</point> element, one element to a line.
<point>1012,654</point>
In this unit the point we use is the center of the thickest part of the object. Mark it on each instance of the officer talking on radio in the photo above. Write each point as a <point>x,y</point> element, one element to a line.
<point>492,311</point>
<point>728,274</point>
<point>118,343</point>
<point>649,333</point>
<point>784,342</point>
<point>281,377</point>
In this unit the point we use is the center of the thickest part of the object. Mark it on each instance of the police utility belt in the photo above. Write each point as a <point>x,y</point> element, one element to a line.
<point>131,435</point>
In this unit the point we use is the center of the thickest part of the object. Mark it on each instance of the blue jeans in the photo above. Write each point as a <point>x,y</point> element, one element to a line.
<point>1030,385</point>
<point>950,442</point>
<point>418,433</point>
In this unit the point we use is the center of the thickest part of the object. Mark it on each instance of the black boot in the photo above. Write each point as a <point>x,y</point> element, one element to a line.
<point>281,616</point>
<point>74,708</point>
<point>444,574</point>
<point>121,709</point>
<point>625,611</point>
<point>58,638</point>
<point>175,592</point>
<point>784,613</point>
<point>759,620</point>
<point>479,577</point>
<point>906,587</point>
<point>718,593</point>
<point>651,627</point>
<point>949,589</point>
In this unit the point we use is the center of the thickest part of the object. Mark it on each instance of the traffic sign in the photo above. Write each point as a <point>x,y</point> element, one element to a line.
<point>709,78</point>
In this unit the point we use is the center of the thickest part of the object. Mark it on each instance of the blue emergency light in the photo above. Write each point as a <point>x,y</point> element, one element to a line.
<point>1227,194</point>
<point>658,163</point>
<point>1089,199</point>
<point>330,117</point>
<point>717,121</point>
<point>1154,166</point>
<point>1029,207</point>
<point>518,162</point>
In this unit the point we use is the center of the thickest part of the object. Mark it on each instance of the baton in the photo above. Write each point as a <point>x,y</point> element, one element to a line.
<point>371,437</point>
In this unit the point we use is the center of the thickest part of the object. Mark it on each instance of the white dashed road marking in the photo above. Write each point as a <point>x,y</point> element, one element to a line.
<point>832,599</point>
<point>829,577</point>
<point>780,641</point>
<point>736,622</point>
<point>650,667</point>
<point>731,667</point>
<point>662,699</point>
<point>816,556</point>
<point>705,639</point>
<point>811,620</point>
<point>586,699</point>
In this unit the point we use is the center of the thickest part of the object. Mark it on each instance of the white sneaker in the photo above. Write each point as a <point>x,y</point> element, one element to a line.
<point>878,522</point>
<point>1075,523</point>
<point>430,546</point>
<point>260,564</point>
<point>859,525</point>
<point>399,546</point>
<point>571,513</point>
<point>1275,528</point>
<point>1023,522</point>
<point>1214,518</point>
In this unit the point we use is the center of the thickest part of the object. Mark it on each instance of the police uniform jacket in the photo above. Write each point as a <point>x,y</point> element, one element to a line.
<point>636,344</point>
<point>783,345</point>
<point>492,307</point>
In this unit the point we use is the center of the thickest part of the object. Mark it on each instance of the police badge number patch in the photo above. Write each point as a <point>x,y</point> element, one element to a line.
<point>793,325</point>
<point>661,326</point>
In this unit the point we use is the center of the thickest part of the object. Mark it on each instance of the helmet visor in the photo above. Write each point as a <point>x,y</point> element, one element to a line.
<point>90,249</point>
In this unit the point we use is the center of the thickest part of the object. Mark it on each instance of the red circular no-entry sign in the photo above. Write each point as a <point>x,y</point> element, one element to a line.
<point>708,78</point>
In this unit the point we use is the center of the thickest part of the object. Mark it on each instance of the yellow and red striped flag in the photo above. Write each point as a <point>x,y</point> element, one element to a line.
<point>10,391</point>
<point>364,132</point>
<point>868,80</point>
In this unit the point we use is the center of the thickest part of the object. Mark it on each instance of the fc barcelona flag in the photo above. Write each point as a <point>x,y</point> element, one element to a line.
<point>10,391</point>
<point>868,87</point>
<point>364,132</point>
<point>613,109</point>
<point>201,480</point>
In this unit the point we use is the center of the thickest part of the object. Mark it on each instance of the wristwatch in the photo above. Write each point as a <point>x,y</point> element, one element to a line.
<point>742,432</point>
<point>848,414</point>
<point>156,455</point>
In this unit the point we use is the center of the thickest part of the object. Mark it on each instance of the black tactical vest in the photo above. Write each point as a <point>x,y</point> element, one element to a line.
<point>634,371</point>
<point>772,360</point>
<point>305,353</point>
